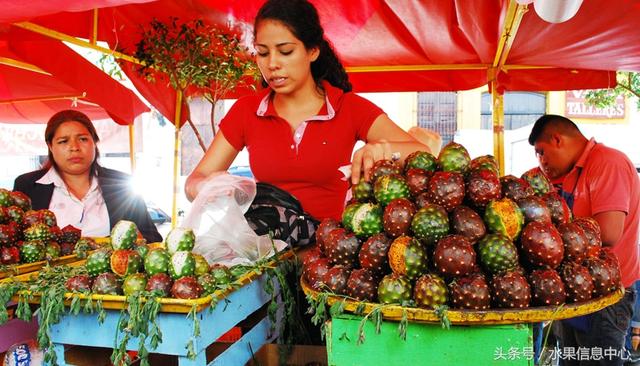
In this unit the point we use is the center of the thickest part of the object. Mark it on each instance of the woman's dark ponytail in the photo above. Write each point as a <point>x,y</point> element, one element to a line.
<point>328,67</point>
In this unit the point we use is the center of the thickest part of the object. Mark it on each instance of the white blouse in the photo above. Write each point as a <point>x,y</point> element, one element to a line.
<point>88,214</point>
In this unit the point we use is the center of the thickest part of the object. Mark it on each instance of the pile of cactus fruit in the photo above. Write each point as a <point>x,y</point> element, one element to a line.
<point>168,269</point>
<point>28,236</point>
<point>450,231</point>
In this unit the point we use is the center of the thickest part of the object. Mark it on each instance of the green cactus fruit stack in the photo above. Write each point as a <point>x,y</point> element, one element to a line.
<point>124,235</point>
<point>347,214</point>
<point>134,284</point>
<point>394,289</point>
<point>156,261</point>
<point>504,216</point>
<point>538,181</point>
<point>181,264</point>
<point>363,191</point>
<point>498,254</point>
<point>454,158</point>
<point>202,266</point>
<point>389,187</point>
<point>125,262</point>
<point>430,223</point>
<point>6,199</point>
<point>367,220</point>
<point>408,257</point>
<point>430,291</point>
<point>421,160</point>
<point>32,251</point>
<point>39,231</point>
<point>98,262</point>
<point>180,239</point>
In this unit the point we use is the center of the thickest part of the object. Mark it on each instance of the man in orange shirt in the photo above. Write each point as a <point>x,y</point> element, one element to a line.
<point>601,182</point>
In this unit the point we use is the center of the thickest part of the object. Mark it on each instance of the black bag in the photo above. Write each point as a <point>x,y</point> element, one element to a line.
<point>276,211</point>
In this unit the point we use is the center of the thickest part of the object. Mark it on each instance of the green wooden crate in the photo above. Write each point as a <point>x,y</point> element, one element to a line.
<point>428,344</point>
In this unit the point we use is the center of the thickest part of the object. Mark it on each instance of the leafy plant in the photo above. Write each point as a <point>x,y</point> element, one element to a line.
<point>628,85</point>
<point>198,57</point>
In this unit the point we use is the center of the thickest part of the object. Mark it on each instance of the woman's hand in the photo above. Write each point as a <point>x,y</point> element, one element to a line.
<point>364,158</point>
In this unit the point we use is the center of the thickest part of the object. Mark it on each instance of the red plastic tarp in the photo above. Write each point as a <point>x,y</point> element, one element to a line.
<point>583,52</point>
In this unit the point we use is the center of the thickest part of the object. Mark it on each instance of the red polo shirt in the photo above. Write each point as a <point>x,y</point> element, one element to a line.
<point>604,179</point>
<point>304,162</point>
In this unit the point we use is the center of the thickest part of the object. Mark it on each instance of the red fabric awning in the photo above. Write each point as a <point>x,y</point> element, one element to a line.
<point>445,41</point>
<point>32,97</point>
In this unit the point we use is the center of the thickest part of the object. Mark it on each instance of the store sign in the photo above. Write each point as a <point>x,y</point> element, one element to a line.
<point>577,107</point>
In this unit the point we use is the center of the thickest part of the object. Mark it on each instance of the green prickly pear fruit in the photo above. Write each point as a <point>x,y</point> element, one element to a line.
<point>180,239</point>
<point>454,158</point>
<point>394,289</point>
<point>98,262</point>
<point>181,264</point>
<point>134,284</point>
<point>124,235</point>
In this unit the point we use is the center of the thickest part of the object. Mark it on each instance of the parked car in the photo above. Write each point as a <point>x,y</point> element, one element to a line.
<point>158,216</point>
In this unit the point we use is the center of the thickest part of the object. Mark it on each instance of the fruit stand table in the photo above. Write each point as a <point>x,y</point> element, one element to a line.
<point>83,329</point>
<point>233,307</point>
<point>491,337</point>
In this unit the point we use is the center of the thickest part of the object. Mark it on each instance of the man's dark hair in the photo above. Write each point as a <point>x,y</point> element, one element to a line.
<point>560,124</point>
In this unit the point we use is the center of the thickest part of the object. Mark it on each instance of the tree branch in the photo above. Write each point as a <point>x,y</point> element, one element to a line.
<point>198,136</point>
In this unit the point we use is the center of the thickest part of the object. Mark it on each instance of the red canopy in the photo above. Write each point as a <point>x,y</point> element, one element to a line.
<point>65,80</point>
<point>408,46</point>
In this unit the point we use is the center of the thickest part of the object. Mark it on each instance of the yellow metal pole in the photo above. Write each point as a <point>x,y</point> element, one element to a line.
<point>132,147</point>
<point>497,101</point>
<point>176,159</point>
<point>44,99</point>
<point>94,30</point>
<point>21,65</point>
<point>67,38</point>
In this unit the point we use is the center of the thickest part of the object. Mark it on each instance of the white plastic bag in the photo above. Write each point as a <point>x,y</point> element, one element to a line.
<point>222,232</point>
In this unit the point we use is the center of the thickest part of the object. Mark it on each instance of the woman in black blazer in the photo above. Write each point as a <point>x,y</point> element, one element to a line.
<point>73,156</point>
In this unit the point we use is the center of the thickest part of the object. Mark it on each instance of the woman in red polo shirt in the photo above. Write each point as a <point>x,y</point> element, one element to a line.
<point>304,125</point>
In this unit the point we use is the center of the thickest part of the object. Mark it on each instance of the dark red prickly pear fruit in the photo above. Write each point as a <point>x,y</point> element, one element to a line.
<point>342,247</point>
<point>70,234</point>
<point>67,248</point>
<point>311,255</point>
<point>373,255</point>
<point>575,241</point>
<point>542,244</point>
<point>8,235</point>
<point>534,209</point>
<point>611,260</point>
<point>9,255</point>
<point>470,292</point>
<point>79,283</point>
<point>417,181</point>
<point>383,167</point>
<point>446,189</point>
<point>397,217</point>
<point>159,283</point>
<point>515,188</point>
<point>603,279</point>
<point>422,200</point>
<point>560,212</point>
<point>578,282</point>
<point>362,285</point>
<point>547,287</point>
<point>454,256</point>
<point>467,222</point>
<point>314,273</point>
<point>21,200</point>
<point>186,287</point>
<point>592,231</point>
<point>336,279</point>
<point>485,162</point>
<point>511,290</point>
<point>483,186</point>
<point>323,230</point>
<point>107,284</point>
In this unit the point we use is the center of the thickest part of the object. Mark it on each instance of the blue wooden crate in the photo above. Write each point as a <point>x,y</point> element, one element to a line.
<point>84,330</point>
